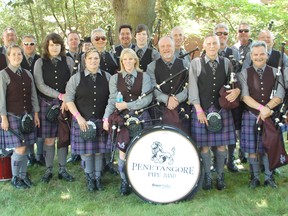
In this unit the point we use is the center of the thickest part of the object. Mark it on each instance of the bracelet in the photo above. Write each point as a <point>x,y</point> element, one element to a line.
<point>76,114</point>
<point>200,111</point>
<point>260,107</point>
<point>60,96</point>
<point>105,119</point>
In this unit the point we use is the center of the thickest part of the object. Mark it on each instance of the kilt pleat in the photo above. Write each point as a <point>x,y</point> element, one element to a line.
<point>248,134</point>
<point>80,146</point>
<point>9,140</point>
<point>203,137</point>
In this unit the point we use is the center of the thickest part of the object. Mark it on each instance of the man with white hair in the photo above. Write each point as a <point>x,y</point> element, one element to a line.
<point>207,75</point>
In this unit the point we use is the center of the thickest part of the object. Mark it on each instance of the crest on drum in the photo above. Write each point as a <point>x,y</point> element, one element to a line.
<point>161,156</point>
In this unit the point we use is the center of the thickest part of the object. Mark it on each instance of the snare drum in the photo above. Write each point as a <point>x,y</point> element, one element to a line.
<point>163,165</point>
<point>5,168</point>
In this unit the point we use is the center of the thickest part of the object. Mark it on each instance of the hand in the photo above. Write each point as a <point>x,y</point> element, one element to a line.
<point>36,120</point>
<point>82,123</point>
<point>5,123</point>
<point>121,106</point>
<point>64,107</point>
<point>106,125</point>
<point>232,94</point>
<point>265,112</point>
<point>202,117</point>
<point>172,103</point>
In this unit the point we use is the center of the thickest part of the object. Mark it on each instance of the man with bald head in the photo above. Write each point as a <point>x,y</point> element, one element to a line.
<point>178,37</point>
<point>207,75</point>
<point>172,95</point>
<point>273,55</point>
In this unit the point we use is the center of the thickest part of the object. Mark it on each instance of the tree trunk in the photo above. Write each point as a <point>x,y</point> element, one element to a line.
<point>134,12</point>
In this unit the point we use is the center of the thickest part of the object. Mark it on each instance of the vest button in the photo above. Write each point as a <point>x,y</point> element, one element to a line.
<point>94,105</point>
<point>94,92</point>
<point>93,113</point>
<point>56,77</point>
<point>56,83</point>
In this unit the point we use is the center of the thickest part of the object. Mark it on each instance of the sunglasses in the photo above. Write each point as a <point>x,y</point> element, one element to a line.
<point>243,30</point>
<point>97,38</point>
<point>29,43</point>
<point>221,33</point>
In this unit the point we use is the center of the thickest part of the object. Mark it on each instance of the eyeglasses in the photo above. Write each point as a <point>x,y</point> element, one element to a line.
<point>221,33</point>
<point>243,30</point>
<point>97,38</point>
<point>29,43</point>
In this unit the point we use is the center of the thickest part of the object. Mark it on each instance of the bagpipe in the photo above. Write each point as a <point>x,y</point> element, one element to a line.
<point>157,29</point>
<point>231,84</point>
<point>188,53</point>
<point>110,39</point>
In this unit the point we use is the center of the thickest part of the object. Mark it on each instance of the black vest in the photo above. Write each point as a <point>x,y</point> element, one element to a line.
<point>25,64</point>
<point>136,90</point>
<point>55,77</point>
<point>118,50</point>
<point>274,58</point>
<point>228,53</point>
<point>162,72</point>
<point>107,63</point>
<point>18,93</point>
<point>260,90</point>
<point>3,63</point>
<point>210,85</point>
<point>146,59</point>
<point>91,97</point>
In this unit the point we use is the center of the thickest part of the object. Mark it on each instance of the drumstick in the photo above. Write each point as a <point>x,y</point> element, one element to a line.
<point>17,134</point>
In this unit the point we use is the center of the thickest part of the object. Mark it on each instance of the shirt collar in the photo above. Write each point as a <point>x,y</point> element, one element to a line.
<point>87,72</point>
<point>207,59</point>
<point>263,68</point>
<point>143,48</point>
<point>14,69</point>
<point>134,73</point>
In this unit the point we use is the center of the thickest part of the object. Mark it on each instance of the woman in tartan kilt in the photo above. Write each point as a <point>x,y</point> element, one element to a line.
<point>18,97</point>
<point>86,96</point>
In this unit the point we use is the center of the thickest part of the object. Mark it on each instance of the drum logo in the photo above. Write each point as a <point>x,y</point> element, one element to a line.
<point>160,156</point>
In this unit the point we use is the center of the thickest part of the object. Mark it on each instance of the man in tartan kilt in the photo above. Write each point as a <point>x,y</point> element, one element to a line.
<point>257,84</point>
<point>18,97</point>
<point>207,75</point>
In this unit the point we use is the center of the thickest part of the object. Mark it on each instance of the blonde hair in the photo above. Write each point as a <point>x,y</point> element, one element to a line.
<point>132,53</point>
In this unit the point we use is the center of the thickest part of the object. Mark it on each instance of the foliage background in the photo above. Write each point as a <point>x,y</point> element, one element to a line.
<point>197,17</point>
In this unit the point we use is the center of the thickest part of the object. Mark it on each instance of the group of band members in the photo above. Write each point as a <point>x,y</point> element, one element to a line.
<point>73,81</point>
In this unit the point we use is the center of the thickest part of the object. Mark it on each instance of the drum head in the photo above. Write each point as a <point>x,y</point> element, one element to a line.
<point>163,165</point>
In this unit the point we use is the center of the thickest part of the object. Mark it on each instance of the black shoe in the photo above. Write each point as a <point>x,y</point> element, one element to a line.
<point>270,182</point>
<point>242,157</point>
<point>207,183</point>
<point>18,183</point>
<point>28,182</point>
<point>31,160</point>
<point>41,160</point>
<point>66,176</point>
<point>110,168</point>
<point>254,183</point>
<point>74,158</point>
<point>220,184</point>
<point>91,186</point>
<point>124,188</point>
<point>232,167</point>
<point>47,176</point>
<point>98,184</point>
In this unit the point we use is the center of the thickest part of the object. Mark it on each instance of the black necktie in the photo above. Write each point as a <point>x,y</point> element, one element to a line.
<point>139,53</point>
<point>54,61</point>
<point>19,73</point>
<point>213,65</point>
<point>93,77</point>
<point>169,64</point>
<point>128,81</point>
<point>30,60</point>
<point>260,73</point>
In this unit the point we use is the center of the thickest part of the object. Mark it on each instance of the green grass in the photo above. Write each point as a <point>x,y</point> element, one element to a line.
<point>61,198</point>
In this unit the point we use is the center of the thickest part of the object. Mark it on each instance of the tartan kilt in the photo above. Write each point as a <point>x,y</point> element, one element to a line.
<point>203,137</point>
<point>47,129</point>
<point>80,146</point>
<point>9,140</point>
<point>248,134</point>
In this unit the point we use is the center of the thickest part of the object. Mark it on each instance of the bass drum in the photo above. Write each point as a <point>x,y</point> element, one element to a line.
<point>5,168</point>
<point>163,165</point>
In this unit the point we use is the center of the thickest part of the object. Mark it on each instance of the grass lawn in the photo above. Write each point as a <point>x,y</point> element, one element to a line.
<point>61,198</point>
